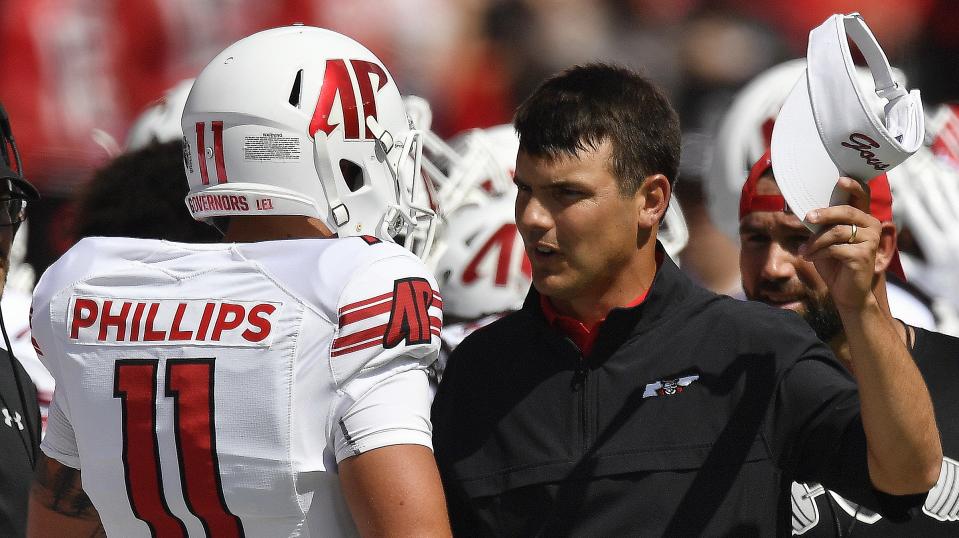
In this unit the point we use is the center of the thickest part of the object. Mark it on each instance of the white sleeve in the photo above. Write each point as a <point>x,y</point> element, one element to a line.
<point>394,411</point>
<point>59,442</point>
<point>388,326</point>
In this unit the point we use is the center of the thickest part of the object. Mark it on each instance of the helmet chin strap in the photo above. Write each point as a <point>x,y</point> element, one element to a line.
<point>337,212</point>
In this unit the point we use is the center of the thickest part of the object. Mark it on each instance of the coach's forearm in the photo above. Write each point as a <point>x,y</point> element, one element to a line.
<point>897,414</point>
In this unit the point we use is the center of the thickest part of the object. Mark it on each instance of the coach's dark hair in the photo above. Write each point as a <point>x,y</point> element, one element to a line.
<point>140,194</point>
<point>586,105</point>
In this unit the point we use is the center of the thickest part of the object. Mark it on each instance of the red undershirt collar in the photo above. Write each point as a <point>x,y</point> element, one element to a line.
<point>582,335</point>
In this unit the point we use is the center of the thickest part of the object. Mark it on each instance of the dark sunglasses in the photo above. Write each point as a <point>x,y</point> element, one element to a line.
<point>13,210</point>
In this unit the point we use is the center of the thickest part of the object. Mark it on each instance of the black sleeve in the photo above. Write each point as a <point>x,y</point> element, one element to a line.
<point>32,409</point>
<point>816,434</point>
<point>444,437</point>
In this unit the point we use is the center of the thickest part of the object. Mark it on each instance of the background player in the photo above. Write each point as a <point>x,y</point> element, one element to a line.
<point>259,388</point>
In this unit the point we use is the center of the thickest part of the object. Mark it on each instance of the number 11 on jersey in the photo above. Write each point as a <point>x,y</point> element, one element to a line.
<point>190,383</point>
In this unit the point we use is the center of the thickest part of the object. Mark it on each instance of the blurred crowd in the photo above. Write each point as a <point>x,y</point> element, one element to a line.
<point>77,72</point>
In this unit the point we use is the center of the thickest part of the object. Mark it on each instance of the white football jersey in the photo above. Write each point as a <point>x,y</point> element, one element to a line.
<point>211,390</point>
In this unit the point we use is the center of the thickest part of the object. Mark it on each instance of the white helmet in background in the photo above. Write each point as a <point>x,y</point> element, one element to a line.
<point>304,121</point>
<point>478,162</point>
<point>925,192</point>
<point>483,164</point>
<point>160,122</point>
<point>943,128</point>
<point>742,139</point>
<point>484,269</point>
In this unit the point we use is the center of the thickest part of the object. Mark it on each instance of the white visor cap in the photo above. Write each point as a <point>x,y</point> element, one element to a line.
<point>826,128</point>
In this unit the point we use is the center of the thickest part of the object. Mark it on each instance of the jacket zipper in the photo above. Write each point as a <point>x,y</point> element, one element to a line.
<point>579,386</point>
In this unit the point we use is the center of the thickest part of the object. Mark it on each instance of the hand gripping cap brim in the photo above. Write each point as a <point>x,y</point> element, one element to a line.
<point>827,128</point>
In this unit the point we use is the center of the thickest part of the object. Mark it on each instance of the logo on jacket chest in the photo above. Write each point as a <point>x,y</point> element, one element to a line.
<point>668,387</point>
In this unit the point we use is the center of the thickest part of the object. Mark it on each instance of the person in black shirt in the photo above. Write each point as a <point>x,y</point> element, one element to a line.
<point>19,411</point>
<point>622,399</point>
<point>775,273</point>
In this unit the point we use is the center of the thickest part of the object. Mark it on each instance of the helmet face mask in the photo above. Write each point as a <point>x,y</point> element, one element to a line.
<point>303,121</point>
<point>477,163</point>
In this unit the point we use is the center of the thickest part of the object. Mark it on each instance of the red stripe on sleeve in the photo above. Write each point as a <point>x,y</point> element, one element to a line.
<point>359,337</point>
<point>365,302</point>
<point>359,347</point>
<point>365,313</point>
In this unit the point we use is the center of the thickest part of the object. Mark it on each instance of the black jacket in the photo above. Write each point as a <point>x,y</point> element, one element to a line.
<point>19,449</point>
<point>692,416</point>
<point>821,515</point>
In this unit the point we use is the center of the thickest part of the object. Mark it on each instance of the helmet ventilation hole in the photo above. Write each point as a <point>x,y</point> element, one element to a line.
<point>295,91</point>
<point>352,174</point>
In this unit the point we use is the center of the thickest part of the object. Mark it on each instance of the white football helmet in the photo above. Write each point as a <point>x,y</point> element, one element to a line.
<point>742,139</point>
<point>481,265</point>
<point>160,122</point>
<point>304,121</point>
<point>484,269</point>
<point>943,128</point>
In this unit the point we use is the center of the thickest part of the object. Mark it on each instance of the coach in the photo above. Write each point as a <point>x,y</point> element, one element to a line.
<point>19,412</point>
<point>623,398</point>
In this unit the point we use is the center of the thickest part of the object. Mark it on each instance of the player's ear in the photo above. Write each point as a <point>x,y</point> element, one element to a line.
<point>887,246</point>
<point>652,198</point>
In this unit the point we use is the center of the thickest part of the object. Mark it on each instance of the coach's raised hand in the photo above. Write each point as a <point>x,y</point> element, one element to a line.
<point>897,414</point>
<point>844,249</point>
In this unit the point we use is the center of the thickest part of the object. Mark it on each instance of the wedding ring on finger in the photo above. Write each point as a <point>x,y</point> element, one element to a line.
<point>852,234</point>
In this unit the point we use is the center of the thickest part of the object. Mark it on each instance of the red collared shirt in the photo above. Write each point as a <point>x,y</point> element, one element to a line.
<point>582,335</point>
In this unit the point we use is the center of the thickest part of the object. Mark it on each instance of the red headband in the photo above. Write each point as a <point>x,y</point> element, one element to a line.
<point>880,201</point>
<point>749,201</point>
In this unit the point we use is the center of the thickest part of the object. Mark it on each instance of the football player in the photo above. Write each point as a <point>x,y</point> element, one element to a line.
<point>926,190</point>
<point>274,384</point>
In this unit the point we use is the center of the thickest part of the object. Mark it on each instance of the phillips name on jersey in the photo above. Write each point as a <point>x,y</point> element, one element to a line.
<point>259,366</point>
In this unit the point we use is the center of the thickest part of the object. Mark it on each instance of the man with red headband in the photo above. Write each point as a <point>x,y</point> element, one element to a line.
<point>778,268</point>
